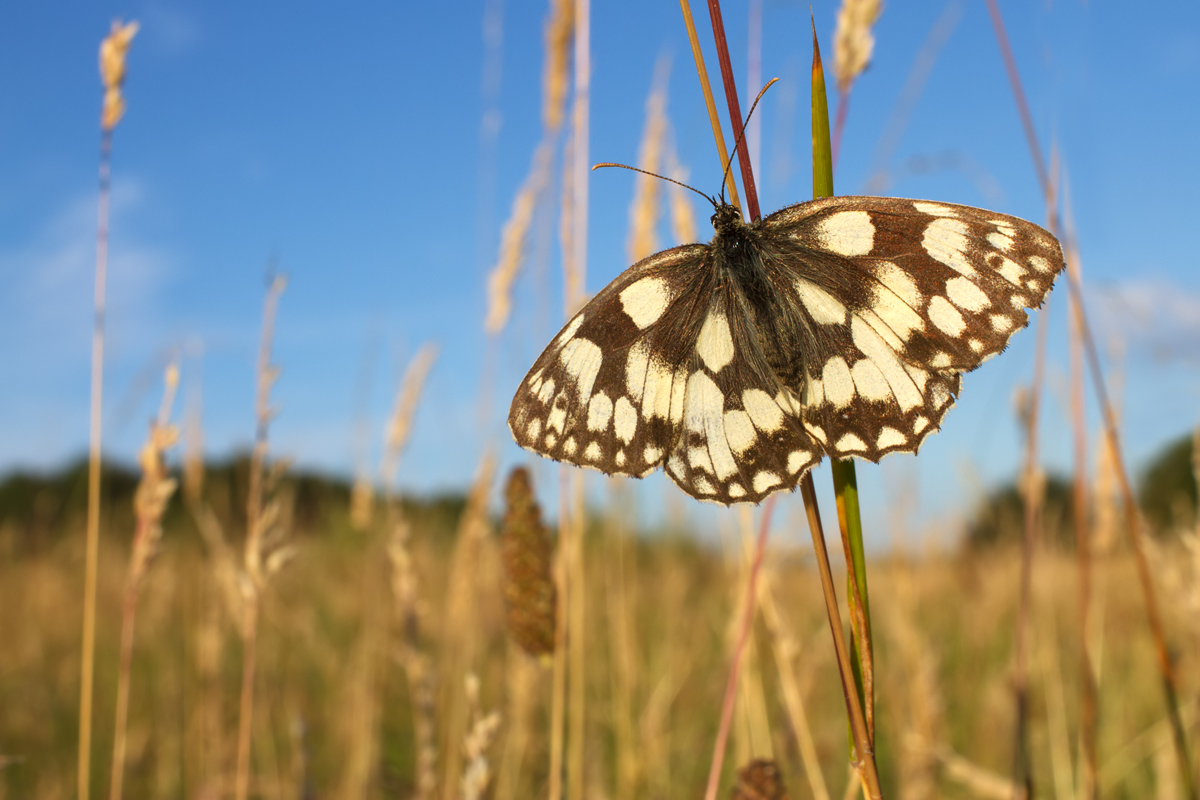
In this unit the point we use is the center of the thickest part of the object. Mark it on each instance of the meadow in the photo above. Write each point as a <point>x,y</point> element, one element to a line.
<point>334,715</point>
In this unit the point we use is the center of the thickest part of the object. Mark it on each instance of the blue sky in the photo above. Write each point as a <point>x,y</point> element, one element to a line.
<point>344,143</point>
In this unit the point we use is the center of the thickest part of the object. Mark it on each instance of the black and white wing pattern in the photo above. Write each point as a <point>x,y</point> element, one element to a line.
<point>836,327</point>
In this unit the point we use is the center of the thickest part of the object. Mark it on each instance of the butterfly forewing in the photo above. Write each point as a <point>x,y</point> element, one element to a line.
<point>903,296</point>
<point>951,282</point>
<point>838,327</point>
<point>600,395</point>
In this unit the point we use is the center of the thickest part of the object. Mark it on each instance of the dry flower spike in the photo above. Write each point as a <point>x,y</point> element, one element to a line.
<point>853,42</point>
<point>113,50</point>
<point>529,592</point>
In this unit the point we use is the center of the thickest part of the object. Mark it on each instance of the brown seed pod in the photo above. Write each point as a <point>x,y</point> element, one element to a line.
<point>760,780</point>
<point>529,592</point>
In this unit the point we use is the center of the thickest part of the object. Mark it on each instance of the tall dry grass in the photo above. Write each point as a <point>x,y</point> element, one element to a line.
<point>944,671</point>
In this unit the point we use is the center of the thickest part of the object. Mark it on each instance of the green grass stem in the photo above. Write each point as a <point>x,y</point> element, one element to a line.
<point>845,480</point>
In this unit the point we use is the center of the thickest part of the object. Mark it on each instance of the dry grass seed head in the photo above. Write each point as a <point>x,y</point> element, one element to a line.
<point>477,773</point>
<point>853,41</point>
<point>683,214</point>
<point>643,213</point>
<point>512,242</point>
<point>560,30</point>
<point>529,592</point>
<point>113,50</point>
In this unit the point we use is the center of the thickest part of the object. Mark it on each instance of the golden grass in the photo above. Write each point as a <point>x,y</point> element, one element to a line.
<point>944,668</point>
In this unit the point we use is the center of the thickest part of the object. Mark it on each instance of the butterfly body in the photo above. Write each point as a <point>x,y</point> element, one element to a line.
<point>836,327</point>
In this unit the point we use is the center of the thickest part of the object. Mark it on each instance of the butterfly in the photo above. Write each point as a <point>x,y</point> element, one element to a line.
<point>837,327</point>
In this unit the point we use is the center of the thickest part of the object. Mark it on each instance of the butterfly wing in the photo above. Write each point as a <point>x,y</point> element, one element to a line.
<point>600,395</point>
<point>735,442</point>
<point>657,368</point>
<point>901,296</point>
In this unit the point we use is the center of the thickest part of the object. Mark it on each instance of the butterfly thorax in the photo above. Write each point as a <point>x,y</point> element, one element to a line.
<point>738,260</point>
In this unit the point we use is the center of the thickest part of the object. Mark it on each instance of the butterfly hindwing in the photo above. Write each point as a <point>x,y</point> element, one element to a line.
<point>735,442</point>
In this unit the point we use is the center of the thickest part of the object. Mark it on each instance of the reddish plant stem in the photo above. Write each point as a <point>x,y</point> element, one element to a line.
<point>1087,686</point>
<point>718,759</point>
<point>865,766</point>
<point>735,111</point>
<point>1022,774</point>
<point>839,125</point>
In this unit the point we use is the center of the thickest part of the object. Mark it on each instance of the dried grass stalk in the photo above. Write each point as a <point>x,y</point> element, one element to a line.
<point>529,592</point>
<point>559,33</point>
<point>786,649</point>
<point>153,491</point>
<point>683,214</point>
<point>413,660</point>
<point>112,73</point>
<point>644,211</point>
<point>400,427</point>
<point>478,772</point>
<point>266,550</point>
<point>461,640</point>
<point>513,241</point>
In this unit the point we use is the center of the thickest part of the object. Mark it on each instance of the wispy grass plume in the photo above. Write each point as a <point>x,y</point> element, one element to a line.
<point>853,45</point>
<point>644,210</point>
<point>153,492</point>
<point>266,549</point>
<point>113,50</point>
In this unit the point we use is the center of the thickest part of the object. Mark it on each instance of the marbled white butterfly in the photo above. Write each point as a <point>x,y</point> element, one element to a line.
<point>836,327</point>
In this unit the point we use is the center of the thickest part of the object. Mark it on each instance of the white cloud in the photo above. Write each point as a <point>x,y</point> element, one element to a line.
<point>46,294</point>
<point>49,279</point>
<point>1155,314</point>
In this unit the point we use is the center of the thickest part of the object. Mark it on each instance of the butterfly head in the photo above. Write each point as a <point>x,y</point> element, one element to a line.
<point>725,216</point>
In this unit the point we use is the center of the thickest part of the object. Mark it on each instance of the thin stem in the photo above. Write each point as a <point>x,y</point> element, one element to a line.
<point>253,561</point>
<point>845,478</point>
<point>87,670</point>
<point>559,676</point>
<point>718,759</point>
<point>246,705</point>
<point>1133,523</point>
<point>1087,684</point>
<point>1022,775</point>
<point>576,654</point>
<point>123,677</point>
<point>714,117</point>
<point>865,765</point>
<point>839,124</point>
<point>735,111</point>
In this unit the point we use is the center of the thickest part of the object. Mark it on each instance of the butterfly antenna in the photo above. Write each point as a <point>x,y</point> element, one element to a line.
<point>729,164</point>
<point>656,175</point>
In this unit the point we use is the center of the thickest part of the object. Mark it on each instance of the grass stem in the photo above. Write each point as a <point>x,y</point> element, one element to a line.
<point>845,478</point>
<point>87,670</point>
<point>718,759</point>
<point>714,118</point>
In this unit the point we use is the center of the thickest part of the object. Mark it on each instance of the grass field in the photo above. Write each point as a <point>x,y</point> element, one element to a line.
<point>333,716</point>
